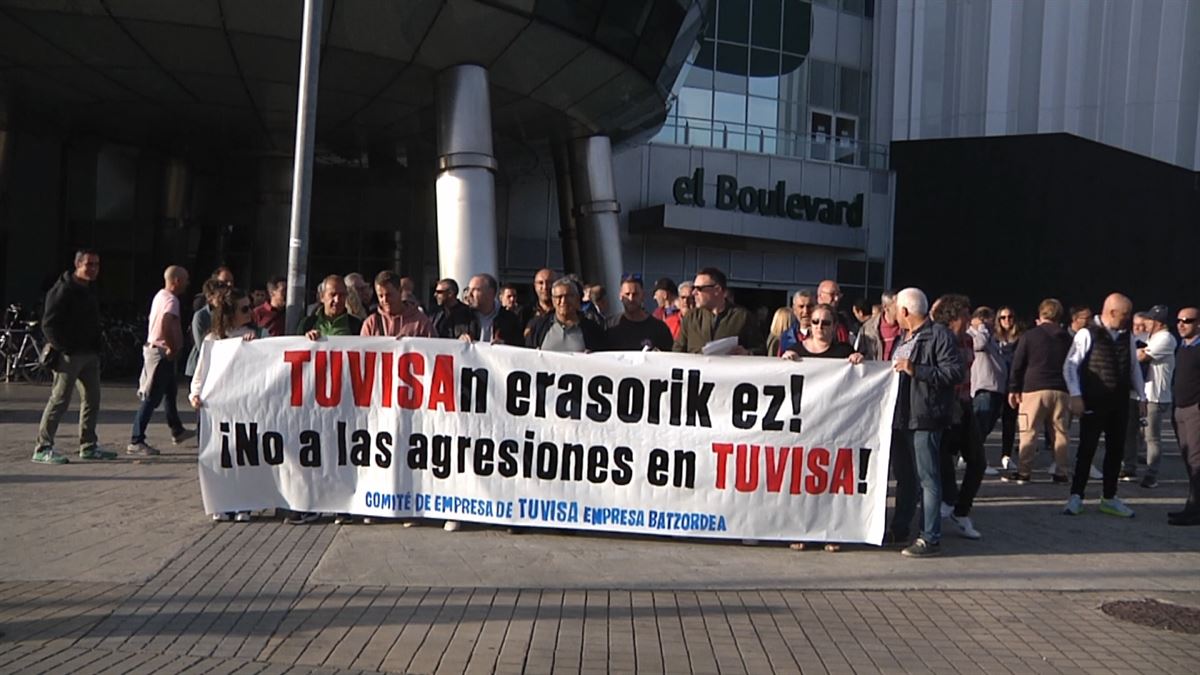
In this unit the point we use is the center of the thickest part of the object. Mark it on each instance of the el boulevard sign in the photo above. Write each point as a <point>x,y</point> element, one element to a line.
<point>689,191</point>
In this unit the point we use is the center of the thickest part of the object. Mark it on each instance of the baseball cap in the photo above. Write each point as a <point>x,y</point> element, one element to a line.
<point>1159,313</point>
<point>665,284</point>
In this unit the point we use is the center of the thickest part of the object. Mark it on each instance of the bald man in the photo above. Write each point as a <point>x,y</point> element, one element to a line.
<point>1102,374</point>
<point>164,342</point>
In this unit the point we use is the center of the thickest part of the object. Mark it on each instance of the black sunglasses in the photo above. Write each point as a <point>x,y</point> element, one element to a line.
<point>1187,321</point>
<point>820,322</point>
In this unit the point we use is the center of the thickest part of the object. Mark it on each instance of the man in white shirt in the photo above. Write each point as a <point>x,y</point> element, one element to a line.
<point>164,342</point>
<point>1158,356</point>
<point>1102,371</point>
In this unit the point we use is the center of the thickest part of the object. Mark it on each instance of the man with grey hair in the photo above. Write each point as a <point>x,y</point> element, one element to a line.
<point>802,307</point>
<point>490,322</point>
<point>357,284</point>
<point>164,342</point>
<point>880,334</point>
<point>930,365</point>
<point>565,329</point>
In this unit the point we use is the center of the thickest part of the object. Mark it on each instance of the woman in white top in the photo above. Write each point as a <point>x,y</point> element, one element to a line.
<point>231,318</point>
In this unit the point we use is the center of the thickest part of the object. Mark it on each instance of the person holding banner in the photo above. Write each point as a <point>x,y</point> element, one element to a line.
<point>821,343</point>
<point>330,316</point>
<point>399,313</point>
<point>716,317</point>
<point>232,317</point>
<point>490,321</point>
<point>930,365</point>
<point>566,329</point>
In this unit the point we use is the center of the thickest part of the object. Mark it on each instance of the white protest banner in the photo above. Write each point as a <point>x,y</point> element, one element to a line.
<point>669,444</point>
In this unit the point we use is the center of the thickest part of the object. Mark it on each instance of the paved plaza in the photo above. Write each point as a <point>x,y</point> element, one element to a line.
<point>113,567</point>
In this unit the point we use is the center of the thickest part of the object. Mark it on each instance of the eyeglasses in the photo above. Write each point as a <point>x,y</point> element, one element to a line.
<point>703,287</point>
<point>1189,321</point>
<point>1005,317</point>
<point>822,322</point>
<point>442,291</point>
<point>562,297</point>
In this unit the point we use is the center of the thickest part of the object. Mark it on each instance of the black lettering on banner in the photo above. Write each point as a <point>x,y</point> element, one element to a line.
<point>622,472</point>
<point>631,398</point>
<point>508,457</point>
<point>273,447</point>
<point>676,396</point>
<point>600,388</point>
<point>697,400</point>
<point>544,381</point>
<point>569,404</point>
<point>383,449</point>
<point>658,468</point>
<point>547,460</point>
<point>775,395</point>
<point>473,383</point>
<point>572,461</point>
<point>464,445</point>
<point>517,401</point>
<point>745,405</point>
<point>418,452</point>
<point>360,451</point>
<point>658,388</point>
<point>797,388</point>
<point>310,448</point>
<point>485,451</point>
<point>226,455</point>
<point>247,443</point>
<point>439,455</point>
<point>597,470</point>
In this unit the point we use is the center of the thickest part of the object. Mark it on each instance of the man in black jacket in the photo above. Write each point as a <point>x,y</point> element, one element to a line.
<point>71,323</point>
<point>1185,395</point>
<point>489,321</point>
<point>930,364</point>
<point>1038,391</point>
<point>566,329</point>
<point>452,318</point>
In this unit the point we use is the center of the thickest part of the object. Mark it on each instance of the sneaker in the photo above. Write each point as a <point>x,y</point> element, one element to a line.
<point>1074,506</point>
<point>97,453</point>
<point>183,435</point>
<point>451,526</point>
<point>220,517</point>
<point>341,519</point>
<point>1014,477</point>
<point>1094,473</point>
<point>1115,507</point>
<point>1007,463</point>
<point>303,518</point>
<point>965,527</point>
<point>991,471</point>
<point>242,517</point>
<point>961,464</point>
<point>1059,478</point>
<point>922,549</point>
<point>947,510</point>
<point>1149,481</point>
<point>141,450</point>
<point>367,520</point>
<point>1126,475</point>
<point>50,456</point>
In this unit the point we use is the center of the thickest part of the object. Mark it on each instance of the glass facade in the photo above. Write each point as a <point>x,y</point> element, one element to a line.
<point>788,77</point>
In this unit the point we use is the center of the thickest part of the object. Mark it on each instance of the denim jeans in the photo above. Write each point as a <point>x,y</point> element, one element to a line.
<point>962,439</point>
<point>915,458</point>
<point>162,390</point>
<point>987,406</point>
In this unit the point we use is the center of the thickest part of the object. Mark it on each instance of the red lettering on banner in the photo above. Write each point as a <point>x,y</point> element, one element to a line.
<point>409,367</point>
<point>329,379</point>
<point>843,472</point>
<point>817,480</point>
<point>297,359</point>
<point>722,451</point>
<point>776,467</point>
<point>796,485</point>
<point>362,376</point>
<point>441,389</point>
<point>385,379</point>
<point>747,468</point>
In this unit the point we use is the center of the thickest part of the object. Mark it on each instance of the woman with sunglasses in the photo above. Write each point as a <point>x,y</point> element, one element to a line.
<point>1008,331</point>
<point>232,317</point>
<point>822,343</point>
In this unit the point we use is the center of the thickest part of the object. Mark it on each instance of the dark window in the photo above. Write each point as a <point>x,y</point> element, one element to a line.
<point>765,20</point>
<point>733,21</point>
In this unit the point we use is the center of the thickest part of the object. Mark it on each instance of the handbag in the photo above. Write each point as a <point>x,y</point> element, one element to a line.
<point>49,357</point>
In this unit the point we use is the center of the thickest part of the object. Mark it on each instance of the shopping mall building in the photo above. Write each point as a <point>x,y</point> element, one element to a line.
<point>784,141</point>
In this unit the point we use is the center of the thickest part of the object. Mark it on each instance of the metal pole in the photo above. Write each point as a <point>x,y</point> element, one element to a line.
<point>306,120</point>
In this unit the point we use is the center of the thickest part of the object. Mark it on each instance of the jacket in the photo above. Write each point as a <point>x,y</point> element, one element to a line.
<point>926,399</point>
<point>593,334</point>
<point>870,342</point>
<point>700,327</point>
<point>506,326</point>
<point>71,316</point>
<point>353,323</point>
<point>1037,363</point>
<point>453,323</point>
<point>987,371</point>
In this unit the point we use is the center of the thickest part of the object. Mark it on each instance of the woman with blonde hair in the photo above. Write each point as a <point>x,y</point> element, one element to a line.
<point>779,324</point>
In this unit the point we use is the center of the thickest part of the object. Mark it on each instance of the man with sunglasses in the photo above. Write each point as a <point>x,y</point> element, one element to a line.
<point>452,318</point>
<point>716,318</point>
<point>1185,394</point>
<point>1158,363</point>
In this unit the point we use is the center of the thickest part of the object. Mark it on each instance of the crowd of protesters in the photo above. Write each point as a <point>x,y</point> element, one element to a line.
<point>962,369</point>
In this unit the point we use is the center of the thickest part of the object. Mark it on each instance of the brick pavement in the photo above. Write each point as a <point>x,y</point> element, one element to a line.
<point>111,567</point>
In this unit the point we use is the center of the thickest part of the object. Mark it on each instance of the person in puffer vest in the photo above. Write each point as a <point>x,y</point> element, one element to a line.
<point>1102,372</point>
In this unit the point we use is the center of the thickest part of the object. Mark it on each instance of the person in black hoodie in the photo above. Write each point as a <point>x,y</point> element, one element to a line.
<point>71,323</point>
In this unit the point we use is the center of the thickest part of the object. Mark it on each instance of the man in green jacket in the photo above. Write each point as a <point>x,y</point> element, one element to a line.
<point>715,318</point>
<point>330,317</point>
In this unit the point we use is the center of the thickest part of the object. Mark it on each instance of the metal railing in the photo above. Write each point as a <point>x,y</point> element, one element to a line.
<point>771,140</point>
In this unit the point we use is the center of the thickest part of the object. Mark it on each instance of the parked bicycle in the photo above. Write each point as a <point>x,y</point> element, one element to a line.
<point>21,343</point>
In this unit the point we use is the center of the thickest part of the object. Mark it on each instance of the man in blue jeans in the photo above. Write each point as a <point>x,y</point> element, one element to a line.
<point>164,343</point>
<point>929,364</point>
